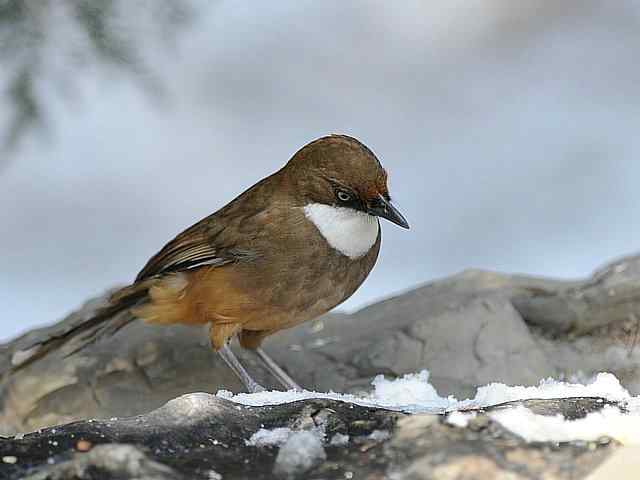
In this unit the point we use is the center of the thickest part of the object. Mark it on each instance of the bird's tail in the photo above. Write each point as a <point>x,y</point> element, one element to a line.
<point>105,321</point>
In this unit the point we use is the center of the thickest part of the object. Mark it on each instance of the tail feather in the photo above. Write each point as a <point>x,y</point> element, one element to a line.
<point>106,321</point>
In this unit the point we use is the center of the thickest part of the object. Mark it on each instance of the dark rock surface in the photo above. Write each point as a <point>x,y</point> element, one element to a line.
<point>200,436</point>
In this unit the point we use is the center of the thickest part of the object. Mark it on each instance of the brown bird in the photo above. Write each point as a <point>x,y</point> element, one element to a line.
<point>287,250</point>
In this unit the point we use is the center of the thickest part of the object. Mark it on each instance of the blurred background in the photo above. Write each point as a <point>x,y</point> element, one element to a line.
<point>510,130</point>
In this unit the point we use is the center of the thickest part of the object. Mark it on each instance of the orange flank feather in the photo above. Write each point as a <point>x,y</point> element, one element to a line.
<point>202,296</point>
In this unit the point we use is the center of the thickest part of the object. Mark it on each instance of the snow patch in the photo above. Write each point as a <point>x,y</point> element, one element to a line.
<point>608,422</point>
<point>460,419</point>
<point>302,451</point>
<point>414,394</point>
<point>379,435</point>
<point>604,385</point>
<point>339,440</point>
<point>265,437</point>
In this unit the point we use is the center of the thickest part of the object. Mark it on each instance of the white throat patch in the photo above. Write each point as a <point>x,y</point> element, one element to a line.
<point>350,232</point>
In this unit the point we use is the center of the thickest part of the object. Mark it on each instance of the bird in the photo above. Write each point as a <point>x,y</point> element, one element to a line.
<point>287,250</point>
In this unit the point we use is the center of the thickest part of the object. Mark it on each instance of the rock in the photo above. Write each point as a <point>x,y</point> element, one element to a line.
<point>200,436</point>
<point>467,330</point>
<point>110,461</point>
<point>623,464</point>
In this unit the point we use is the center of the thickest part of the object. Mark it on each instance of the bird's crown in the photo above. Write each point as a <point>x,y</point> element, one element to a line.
<point>335,167</point>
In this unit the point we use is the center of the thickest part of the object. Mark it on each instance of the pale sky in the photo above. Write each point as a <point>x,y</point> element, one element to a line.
<point>510,136</point>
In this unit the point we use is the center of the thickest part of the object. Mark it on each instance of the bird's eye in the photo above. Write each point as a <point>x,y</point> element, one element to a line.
<point>343,196</point>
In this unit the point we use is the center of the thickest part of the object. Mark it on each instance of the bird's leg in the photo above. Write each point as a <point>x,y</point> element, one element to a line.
<point>285,380</point>
<point>234,364</point>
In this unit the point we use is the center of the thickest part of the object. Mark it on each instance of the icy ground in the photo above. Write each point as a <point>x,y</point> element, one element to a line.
<point>414,394</point>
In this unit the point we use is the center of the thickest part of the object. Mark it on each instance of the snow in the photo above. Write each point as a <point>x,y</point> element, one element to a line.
<point>213,475</point>
<point>302,451</point>
<point>460,419</point>
<point>604,385</point>
<point>265,437</point>
<point>414,394</point>
<point>379,435</point>
<point>608,422</point>
<point>339,440</point>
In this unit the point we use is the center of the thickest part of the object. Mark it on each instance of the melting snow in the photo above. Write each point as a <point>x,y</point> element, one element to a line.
<point>608,422</point>
<point>460,419</point>
<point>265,437</point>
<point>302,450</point>
<point>379,435</point>
<point>414,394</point>
<point>339,440</point>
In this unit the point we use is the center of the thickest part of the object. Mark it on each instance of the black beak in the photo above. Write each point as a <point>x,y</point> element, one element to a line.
<point>381,207</point>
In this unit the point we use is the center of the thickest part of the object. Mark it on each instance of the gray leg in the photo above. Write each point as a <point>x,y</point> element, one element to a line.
<point>234,364</point>
<point>286,381</point>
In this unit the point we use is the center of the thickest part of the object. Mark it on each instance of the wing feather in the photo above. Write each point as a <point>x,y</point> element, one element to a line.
<point>190,249</point>
<point>221,238</point>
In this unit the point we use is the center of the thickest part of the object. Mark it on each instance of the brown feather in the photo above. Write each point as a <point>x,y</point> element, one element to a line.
<point>189,249</point>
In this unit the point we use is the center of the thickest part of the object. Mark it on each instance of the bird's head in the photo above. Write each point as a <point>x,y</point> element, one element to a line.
<point>340,172</point>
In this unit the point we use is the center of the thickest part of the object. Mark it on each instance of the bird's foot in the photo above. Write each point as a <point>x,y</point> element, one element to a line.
<point>232,361</point>
<point>255,387</point>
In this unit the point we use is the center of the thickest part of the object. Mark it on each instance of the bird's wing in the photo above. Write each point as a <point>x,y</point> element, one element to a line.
<point>223,237</point>
<point>193,248</point>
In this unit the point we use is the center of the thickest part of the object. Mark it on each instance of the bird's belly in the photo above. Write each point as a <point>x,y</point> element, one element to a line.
<point>273,318</point>
<point>309,293</point>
